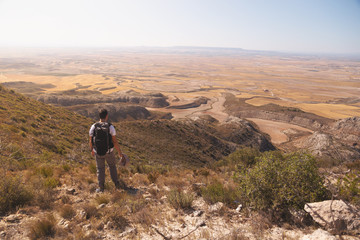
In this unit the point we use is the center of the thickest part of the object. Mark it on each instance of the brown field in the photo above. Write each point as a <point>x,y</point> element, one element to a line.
<point>277,130</point>
<point>328,87</point>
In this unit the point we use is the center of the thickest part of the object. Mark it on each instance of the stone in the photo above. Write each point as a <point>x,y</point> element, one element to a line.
<point>87,227</point>
<point>238,209</point>
<point>70,191</point>
<point>64,223</point>
<point>216,207</point>
<point>128,230</point>
<point>319,234</point>
<point>13,218</point>
<point>101,205</point>
<point>197,213</point>
<point>335,215</point>
<point>82,214</point>
<point>3,234</point>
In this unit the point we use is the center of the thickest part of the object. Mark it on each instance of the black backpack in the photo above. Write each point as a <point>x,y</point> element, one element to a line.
<point>102,138</point>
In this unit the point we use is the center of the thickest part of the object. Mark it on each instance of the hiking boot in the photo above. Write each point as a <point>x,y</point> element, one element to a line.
<point>99,190</point>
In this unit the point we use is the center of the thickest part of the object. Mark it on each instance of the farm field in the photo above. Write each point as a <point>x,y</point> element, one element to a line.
<point>326,86</point>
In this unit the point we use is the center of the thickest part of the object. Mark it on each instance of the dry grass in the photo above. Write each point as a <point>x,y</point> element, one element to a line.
<point>145,217</point>
<point>43,228</point>
<point>67,211</point>
<point>180,200</point>
<point>102,198</point>
<point>299,80</point>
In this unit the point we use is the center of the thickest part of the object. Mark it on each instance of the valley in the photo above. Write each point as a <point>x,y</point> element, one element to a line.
<point>221,142</point>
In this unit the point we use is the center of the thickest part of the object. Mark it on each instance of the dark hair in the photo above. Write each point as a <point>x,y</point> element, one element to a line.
<point>103,113</point>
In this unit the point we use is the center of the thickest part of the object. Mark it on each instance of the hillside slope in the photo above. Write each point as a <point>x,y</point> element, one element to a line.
<point>33,129</point>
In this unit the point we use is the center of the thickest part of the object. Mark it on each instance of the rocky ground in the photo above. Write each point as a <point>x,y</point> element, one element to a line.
<point>146,212</point>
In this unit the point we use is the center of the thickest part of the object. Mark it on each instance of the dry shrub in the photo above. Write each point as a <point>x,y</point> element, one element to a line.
<point>65,199</point>
<point>116,218</point>
<point>180,200</point>
<point>91,211</point>
<point>145,217</point>
<point>174,182</point>
<point>217,192</point>
<point>13,194</point>
<point>43,228</point>
<point>118,197</point>
<point>259,223</point>
<point>153,176</point>
<point>67,211</point>
<point>140,179</point>
<point>102,198</point>
<point>45,197</point>
<point>135,203</point>
<point>92,167</point>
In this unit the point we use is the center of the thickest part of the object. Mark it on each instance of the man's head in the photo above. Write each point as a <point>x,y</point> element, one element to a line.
<point>103,114</point>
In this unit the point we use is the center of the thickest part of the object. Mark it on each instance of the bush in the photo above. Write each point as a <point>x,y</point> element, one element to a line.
<point>241,159</point>
<point>67,211</point>
<point>153,176</point>
<point>349,188</point>
<point>45,197</point>
<point>51,182</point>
<point>13,194</point>
<point>180,200</point>
<point>117,219</point>
<point>43,228</point>
<point>46,171</point>
<point>278,183</point>
<point>91,211</point>
<point>217,192</point>
<point>101,199</point>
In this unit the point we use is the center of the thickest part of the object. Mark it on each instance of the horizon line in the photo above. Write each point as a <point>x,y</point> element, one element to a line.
<point>13,47</point>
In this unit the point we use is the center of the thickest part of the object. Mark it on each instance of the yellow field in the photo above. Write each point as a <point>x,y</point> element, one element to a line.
<point>334,111</point>
<point>303,82</point>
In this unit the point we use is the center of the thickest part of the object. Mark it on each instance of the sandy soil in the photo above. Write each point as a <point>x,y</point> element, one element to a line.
<point>276,130</point>
<point>214,107</point>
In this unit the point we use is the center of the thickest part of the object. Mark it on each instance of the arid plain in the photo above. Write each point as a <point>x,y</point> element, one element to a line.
<point>326,86</point>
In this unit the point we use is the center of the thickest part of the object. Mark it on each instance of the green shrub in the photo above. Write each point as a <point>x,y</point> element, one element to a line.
<point>279,183</point>
<point>13,194</point>
<point>51,182</point>
<point>217,192</point>
<point>66,167</point>
<point>349,188</point>
<point>180,200</point>
<point>46,171</point>
<point>241,159</point>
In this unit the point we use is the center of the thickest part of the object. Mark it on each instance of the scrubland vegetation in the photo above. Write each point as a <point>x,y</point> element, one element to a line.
<point>48,174</point>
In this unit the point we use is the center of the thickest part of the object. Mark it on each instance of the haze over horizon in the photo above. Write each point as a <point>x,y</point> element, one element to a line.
<point>322,26</point>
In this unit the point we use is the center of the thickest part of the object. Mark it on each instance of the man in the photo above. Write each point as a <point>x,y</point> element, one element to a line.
<point>102,141</point>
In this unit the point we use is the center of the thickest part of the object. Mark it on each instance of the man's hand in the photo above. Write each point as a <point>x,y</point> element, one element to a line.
<point>92,152</point>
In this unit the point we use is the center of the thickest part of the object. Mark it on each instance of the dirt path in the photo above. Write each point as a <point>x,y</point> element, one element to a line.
<point>214,107</point>
<point>276,130</point>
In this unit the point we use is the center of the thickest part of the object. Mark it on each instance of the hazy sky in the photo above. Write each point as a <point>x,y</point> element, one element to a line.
<point>283,25</point>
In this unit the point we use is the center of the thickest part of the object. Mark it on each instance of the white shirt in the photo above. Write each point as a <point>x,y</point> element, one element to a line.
<point>111,129</point>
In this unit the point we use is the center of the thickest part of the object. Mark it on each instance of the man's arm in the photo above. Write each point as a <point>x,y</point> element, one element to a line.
<point>117,146</point>
<point>91,146</point>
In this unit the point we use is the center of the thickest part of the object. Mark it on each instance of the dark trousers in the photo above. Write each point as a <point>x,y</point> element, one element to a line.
<point>100,165</point>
